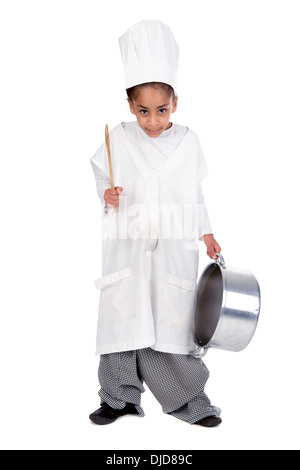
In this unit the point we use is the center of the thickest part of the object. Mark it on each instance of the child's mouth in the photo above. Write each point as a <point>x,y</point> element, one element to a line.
<point>154,131</point>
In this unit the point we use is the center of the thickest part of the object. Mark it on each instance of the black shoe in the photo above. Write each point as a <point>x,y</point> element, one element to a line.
<point>209,421</point>
<point>106,415</point>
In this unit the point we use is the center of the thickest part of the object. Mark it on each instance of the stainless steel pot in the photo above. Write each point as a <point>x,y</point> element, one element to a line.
<point>227,308</point>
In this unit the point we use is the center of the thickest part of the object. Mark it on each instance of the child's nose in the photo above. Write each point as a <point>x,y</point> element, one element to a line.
<point>152,120</point>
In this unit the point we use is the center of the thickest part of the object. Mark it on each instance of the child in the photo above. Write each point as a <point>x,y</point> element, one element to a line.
<point>154,219</point>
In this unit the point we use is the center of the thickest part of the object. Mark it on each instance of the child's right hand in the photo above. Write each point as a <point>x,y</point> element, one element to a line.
<point>111,196</point>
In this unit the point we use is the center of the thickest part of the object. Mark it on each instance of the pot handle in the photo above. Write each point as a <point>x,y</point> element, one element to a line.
<point>199,352</point>
<point>221,260</point>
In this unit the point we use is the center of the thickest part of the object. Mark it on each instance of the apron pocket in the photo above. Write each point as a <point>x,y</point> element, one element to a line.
<point>178,303</point>
<point>117,295</point>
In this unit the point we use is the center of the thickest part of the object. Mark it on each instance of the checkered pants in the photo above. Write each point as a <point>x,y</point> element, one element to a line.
<point>177,381</point>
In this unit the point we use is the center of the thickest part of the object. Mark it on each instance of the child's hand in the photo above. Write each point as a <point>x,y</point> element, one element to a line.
<point>111,196</point>
<point>212,246</point>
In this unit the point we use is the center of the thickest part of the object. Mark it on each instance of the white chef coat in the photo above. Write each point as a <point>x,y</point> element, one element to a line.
<point>148,284</point>
<point>154,151</point>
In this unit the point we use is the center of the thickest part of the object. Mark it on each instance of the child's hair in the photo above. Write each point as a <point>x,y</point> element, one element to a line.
<point>134,91</point>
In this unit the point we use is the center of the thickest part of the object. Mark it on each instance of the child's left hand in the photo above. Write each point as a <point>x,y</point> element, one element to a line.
<point>212,246</point>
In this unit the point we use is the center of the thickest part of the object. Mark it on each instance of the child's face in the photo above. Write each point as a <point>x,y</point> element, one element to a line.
<point>152,108</point>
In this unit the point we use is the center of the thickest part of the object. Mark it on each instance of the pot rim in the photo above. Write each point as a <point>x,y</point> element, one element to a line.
<point>210,266</point>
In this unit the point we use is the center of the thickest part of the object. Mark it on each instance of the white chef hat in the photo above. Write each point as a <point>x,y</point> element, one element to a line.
<point>150,54</point>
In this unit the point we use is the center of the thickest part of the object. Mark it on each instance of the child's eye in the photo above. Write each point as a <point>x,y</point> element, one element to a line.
<point>162,111</point>
<point>143,112</point>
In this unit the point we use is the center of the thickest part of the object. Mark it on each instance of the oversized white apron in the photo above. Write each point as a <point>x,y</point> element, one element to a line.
<point>150,249</point>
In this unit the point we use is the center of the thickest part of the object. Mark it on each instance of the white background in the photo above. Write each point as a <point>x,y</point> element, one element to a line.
<point>61,82</point>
